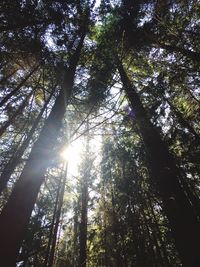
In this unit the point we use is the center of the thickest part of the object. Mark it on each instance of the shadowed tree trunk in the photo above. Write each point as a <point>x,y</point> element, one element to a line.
<point>84,199</point>
<point>182,219</point>
<point>16,213</point>
<point>57,218</point>
<point>84,211</point>
<point>115,229</point>
<point>48,250</point>
<point>83,225</point>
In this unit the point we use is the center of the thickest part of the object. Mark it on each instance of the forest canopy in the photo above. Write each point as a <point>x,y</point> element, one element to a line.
<point>100,133</point>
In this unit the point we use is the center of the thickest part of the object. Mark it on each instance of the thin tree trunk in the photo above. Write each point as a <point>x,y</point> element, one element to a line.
<point>5,78</point>
<point>14,91</point>
<point>118,258</point>
<point>57,219</point>
<point>58,214</point>
<point>183,222</point>
<point>48,250</point>
<point>75,236</point>
<point>16,213</point>
<point>16,113</point>
<point>14,161</point>
<point>106,260</point>
<point>83,224</point>
<point>84,204</point>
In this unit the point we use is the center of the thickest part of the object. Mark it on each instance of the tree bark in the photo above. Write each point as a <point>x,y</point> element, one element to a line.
<point>182,219</point>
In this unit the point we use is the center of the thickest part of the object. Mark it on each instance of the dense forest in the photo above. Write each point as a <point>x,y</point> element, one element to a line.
<point>100,133</point>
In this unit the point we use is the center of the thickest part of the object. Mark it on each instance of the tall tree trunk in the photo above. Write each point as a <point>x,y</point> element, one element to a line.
<point>115,229</point>
<point>105,243</point>
<point>16,213</point>
<point>57,219</point>
<point>48,250</point>
<point>183,222</point>
<point>75,235</point>
<point>83,224</point>
<point>84,204</point>
<point>14,161</point>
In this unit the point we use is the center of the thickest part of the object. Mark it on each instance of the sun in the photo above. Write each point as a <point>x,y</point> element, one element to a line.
<point>66,152</point>
<point>72,155</point>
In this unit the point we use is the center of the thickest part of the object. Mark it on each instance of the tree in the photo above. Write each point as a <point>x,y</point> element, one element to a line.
<point>175,201</point>
<point>20,204</point>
